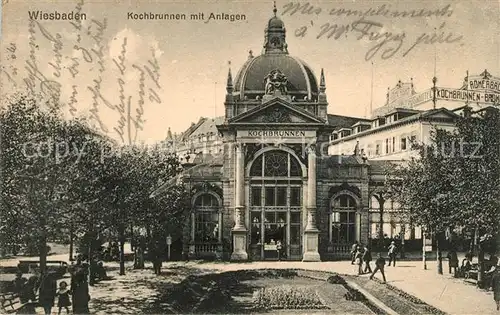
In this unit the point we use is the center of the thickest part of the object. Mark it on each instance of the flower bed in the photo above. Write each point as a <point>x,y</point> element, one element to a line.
<point>287,297</point>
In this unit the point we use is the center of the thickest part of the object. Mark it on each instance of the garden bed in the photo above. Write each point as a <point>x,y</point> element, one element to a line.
<point>263,291</point>
<point>287,297</point>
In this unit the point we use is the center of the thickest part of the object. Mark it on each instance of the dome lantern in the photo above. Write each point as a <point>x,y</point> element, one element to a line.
<point>274,40</point>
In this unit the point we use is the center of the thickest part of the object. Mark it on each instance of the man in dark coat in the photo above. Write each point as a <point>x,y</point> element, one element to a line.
<point>19,282</point>
<point>47,293</point>
<point>156,258</point>
<point>379,265</point>
<point>367,258</point>
<point>452,262</point>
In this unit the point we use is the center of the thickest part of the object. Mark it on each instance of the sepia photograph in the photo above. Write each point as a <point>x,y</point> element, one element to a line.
<point>249,157</point>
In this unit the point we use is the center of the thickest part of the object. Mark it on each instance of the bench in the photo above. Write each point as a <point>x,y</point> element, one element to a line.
<point>11,303</point>
<point>473,272</point>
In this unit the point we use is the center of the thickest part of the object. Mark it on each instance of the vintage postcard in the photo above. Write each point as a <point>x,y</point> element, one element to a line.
<point>179,157</point>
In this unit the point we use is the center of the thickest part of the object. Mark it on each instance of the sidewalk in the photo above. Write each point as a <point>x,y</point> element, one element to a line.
<point>453,296</point>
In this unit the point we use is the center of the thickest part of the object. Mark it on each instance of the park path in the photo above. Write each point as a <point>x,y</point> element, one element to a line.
<point>451,295</point>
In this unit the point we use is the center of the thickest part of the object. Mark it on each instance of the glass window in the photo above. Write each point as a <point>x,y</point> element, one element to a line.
<point>295,234</point>
<point>256,196</point>
<point>281,196</point>
<point>276,163</point>
<point>295,196</point>
<point>403,143</point>
<point>295,169</point>
<point>256,169</point>
<point>295,217</point>
<point>343,220</point>
<point>270,196</point>
<point>255,227</point>
<point>206,219</point>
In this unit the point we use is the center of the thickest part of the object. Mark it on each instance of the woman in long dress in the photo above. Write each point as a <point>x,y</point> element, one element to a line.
<point>495,283</point>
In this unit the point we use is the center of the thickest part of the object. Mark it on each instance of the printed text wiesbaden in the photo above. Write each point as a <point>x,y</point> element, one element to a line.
<point>56,16</point>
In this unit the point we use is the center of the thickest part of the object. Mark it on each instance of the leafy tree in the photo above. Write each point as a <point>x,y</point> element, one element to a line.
<point>444,185</point>
<point>36,158</point>
<point>476,184</point>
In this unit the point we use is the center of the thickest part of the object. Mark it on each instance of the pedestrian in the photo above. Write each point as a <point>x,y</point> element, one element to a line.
<point>392,253</point>
<point>156,257</point>
<point>354,247</point>
<point>28,290</point>
<point>47,293</point>
<point>359,260</point>
<point>367,258</point>
<point>379,265</point>
<point>452,262</point>
<point>80,291</point>
<point>19,282</point>
<point>495,285</point>
<point>278,249</point>
<point>63,297</point>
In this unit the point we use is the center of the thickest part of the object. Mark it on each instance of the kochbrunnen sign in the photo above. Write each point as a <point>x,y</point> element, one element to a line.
<point>482,89</point>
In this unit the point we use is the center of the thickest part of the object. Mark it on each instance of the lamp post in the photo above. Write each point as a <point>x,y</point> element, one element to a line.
<point>169,242</point>
<point>424,245</point>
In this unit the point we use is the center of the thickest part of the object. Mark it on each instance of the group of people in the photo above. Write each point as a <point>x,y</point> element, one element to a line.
<point>362,256</point>
<point>46,286</point>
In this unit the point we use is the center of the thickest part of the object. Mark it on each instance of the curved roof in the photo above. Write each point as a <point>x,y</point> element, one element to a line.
<point>250,77</point>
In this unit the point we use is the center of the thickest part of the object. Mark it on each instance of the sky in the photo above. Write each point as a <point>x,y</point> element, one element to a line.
<point>174,71</point>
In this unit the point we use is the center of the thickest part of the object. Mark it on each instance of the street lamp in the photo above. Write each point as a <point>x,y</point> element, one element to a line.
<point>169,242</point>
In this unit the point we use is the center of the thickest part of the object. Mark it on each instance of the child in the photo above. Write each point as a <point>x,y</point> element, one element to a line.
<point>63,297</point>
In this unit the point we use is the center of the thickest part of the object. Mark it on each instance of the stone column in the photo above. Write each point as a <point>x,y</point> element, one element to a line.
<point>239,230</point>
<point>311,232</point>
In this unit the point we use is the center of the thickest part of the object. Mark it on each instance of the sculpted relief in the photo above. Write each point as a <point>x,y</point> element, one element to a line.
<point>276,81</point>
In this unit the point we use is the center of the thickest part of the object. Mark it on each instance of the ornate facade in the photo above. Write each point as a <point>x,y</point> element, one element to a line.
<point>267,175</point>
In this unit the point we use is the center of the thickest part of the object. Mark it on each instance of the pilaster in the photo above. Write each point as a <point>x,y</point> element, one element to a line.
<point>239,230</point>
<point>311,232</point>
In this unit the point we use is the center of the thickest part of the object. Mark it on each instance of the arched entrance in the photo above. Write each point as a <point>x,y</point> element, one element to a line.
<point>206,220</point>
<point>275,179</point>
<point>344,223</point>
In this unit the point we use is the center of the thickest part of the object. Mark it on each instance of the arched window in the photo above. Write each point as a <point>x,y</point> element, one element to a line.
<point>343,220</point>
<point>276,163</point>
<point>206,221</point>
<point>276,202</point>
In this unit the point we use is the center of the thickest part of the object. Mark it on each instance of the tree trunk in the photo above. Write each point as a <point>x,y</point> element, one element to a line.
<point>42,247</point>
<point>439,256</point>
<point>480,266</point>
<point>122,249</point>
<point>91,237</point>
<point>132,241</point>
<point>71,241</point>
<point>381,202</point>
<point>403,232</point>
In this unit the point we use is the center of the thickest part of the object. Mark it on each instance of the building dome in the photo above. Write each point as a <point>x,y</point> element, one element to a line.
<point>275,22</point>
<point>298,79</point>
<point>251,77</point>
